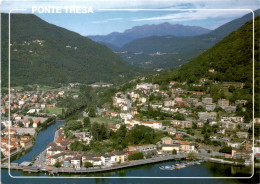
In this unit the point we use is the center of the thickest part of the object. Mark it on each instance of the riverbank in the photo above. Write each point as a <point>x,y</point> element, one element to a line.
<point>21,152</point>
<point>16,156</point>
<point>205,169</point>
<point>55,170</point>
<point>222,161</point>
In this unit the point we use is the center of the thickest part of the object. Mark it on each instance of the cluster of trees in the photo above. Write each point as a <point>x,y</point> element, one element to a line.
<point>136,156</point>
<point>57,164</point>
<point>208,130</point>
<point>73,125</point>
<point>226,149</point>
<point>216,92</point>
<point>48,121</point>
<point>157,113</point>
<point>139,134</point>
<point>99,131</point>
<point>88,164</point>
<point>121,138</point>
<point>71,105</point>
<point>78,146</point>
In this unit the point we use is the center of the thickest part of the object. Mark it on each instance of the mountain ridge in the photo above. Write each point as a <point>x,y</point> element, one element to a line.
<point>185,48</point>
<point>163,29</point>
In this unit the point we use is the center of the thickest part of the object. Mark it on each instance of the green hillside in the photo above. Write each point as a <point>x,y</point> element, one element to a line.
<point>42,53</point>
<point>231,58</point>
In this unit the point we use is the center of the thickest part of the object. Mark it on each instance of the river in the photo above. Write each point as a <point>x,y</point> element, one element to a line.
<point>152,170</point>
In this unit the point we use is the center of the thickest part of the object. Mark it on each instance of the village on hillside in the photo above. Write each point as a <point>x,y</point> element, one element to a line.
<point>142,122</point>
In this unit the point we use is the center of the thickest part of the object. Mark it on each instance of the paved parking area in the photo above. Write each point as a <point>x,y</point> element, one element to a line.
<point>21,131</point>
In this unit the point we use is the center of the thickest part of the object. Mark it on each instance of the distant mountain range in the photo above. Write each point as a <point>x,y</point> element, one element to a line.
<point>42,53</point>
<point>119,39</point>
<point>171,51</point>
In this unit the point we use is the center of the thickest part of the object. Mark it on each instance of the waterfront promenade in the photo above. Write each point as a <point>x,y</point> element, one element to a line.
<point>55,170</point>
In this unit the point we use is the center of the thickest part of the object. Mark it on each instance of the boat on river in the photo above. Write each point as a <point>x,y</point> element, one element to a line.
<point>167,167</point>
<point>181,165</point>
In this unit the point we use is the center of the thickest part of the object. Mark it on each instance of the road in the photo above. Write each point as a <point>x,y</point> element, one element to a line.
<point>184,133</point>
<point>38,166</point>
<point>56,135</point>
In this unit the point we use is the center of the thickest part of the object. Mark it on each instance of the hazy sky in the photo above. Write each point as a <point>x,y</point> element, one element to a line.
<point>126,14</point>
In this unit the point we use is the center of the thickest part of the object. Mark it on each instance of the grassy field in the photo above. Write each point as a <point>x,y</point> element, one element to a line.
<point>53,110</point>
<point>227,93</point>
<point>102,120</point>
<point>45,88</point>
<point>197,133</point>
<point>41,88</point>
<point>13,87</point>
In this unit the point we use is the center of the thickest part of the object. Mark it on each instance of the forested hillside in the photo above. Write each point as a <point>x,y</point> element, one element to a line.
<point>42,53</point>
<point>232,60</point>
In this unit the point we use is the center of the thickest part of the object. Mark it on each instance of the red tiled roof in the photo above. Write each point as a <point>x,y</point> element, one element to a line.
<point>184,142</point>
<point>37,121</point>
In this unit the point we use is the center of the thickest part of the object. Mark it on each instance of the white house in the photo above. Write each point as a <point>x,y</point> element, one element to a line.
<point>124,108</point>
<point>21,102</point>
<point>108,159</point>
<point>132,122</point>
<point>234,144</point>
<point>76,161</point>
<point>157,124</point>
<point>126,115</point>
<point>213,123</point>
<point>144,86</point>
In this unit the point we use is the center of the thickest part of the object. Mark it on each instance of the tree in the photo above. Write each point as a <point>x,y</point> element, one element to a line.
<point>206,139</point>
<point>31,122</point>
<point>78,146</point>
<point>88,164</point>
<point>62,112</point>
<point>141,134</point>
<point>91,112</point>
<point>231,88</point>
<point>136,156</point>
<point>191,156</point>
<point>20,124</point>
<point>103,131</point>
<point>194,126</point>
<point>121,133</point>
<point>57,164</point>
<point>86,121</point>
<point>73,125</point>
<point>200,109</point>
<point>178,116</point>
<point>226,149</point>
<point>204,129</point>
<point>174,152</point>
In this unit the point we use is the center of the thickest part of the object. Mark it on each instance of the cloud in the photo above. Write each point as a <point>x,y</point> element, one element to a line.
<point>99,22</point>
<point>107,20</point>
<point>195,15</point>
<point>129,4</point>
